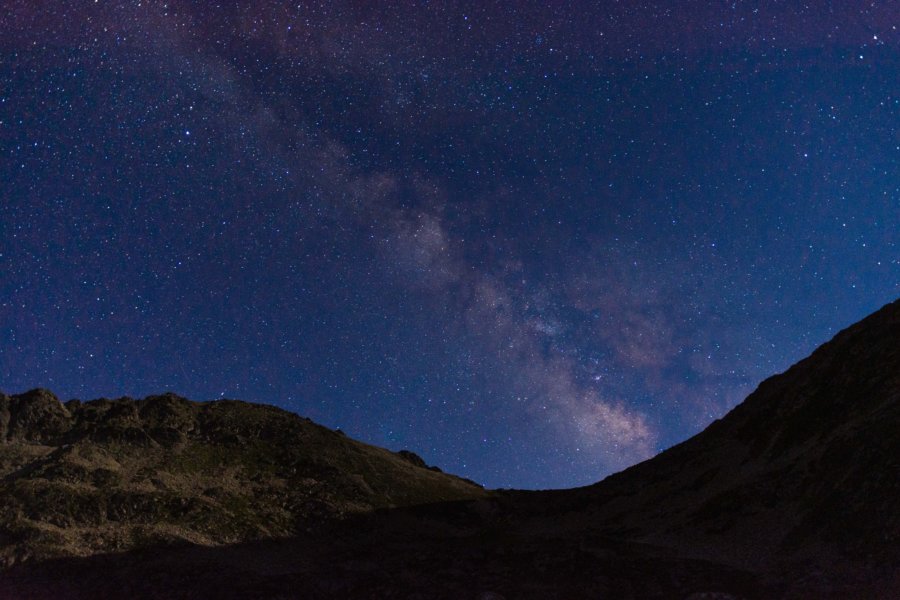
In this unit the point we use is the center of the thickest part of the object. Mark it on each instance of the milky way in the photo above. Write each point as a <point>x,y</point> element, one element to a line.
<point>535,244</point>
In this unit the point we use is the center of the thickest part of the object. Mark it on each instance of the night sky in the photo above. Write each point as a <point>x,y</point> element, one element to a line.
<point>533,242</point>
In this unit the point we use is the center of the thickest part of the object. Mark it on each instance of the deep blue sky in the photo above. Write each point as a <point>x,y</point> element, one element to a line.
<point>534,244</point>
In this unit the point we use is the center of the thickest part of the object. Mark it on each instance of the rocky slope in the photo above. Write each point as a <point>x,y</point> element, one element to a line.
<point>800,483</point>
<point>808,464</point>
<point>111,475</point>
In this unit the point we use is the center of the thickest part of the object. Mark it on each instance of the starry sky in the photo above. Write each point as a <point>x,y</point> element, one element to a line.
<point>534,242</point>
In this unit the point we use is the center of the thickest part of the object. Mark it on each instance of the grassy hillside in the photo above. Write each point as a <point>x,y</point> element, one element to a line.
<point>112,475</point>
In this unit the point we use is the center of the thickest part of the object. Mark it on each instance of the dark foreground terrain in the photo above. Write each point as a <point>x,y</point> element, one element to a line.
<point>794,494</point>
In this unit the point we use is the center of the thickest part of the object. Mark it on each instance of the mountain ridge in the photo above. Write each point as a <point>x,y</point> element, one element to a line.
<point>801,477</point>
<point>793,494</point>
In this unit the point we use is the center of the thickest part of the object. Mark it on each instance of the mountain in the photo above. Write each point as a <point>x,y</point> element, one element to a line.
<point>799,483</point>
<point>794,494</point>
<point>111,475</point>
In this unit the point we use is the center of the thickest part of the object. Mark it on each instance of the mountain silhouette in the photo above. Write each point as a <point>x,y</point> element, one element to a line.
<point>793,494</point>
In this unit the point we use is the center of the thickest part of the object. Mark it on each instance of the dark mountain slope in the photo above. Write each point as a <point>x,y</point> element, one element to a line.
<point>105,475</point>
<point>813,455</point>
<point>804,475</point>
